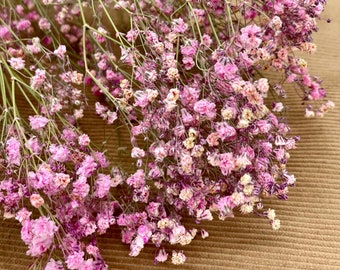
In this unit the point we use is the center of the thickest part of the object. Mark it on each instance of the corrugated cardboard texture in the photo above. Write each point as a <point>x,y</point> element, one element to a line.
<point>310,233</point>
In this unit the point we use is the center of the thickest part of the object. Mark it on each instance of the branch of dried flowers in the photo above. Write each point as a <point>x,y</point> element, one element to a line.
<point>177,107</point>
<point>53,182</point>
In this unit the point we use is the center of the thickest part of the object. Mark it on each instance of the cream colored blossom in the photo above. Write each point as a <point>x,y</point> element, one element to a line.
<point>245,179</point>
<point>246,208</point>
<point>276,224</point>
<point>248,189</point>
<point>186,194</point>
<point>178,258</point>
<point>227,113</point>
<point>271,214</point>
<point>172,73</point>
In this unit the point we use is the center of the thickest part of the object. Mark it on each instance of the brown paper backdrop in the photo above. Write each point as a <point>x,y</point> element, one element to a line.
<point>310,233</point>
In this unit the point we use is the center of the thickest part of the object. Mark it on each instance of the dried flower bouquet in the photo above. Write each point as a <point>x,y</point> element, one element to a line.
<point>187,80</point>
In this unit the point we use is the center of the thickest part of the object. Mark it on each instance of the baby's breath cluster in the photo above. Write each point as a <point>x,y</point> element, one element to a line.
<point>186,78</point>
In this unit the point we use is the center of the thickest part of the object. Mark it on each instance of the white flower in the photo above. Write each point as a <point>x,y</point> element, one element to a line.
<point>245,179</point>
<point>271,214</point>
<point>276,224</point>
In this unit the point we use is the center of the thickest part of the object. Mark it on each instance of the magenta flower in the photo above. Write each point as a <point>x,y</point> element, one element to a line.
<point>205,108</point>
<point>38,79</point>
<point>38,122</point>
<point>87,167</point>
<point>54,265</point>
<point>102,184</point>
<point>75,260</point>
<point>17,63</point>
<point>80,187</point>
<point>162,256</point>
<point>13,151</point>
<point>136,180</point>
<point>38,234</point>
<point>59,152</point>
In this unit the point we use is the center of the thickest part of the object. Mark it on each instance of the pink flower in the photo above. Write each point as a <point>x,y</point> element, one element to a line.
<point>187,163</point>
<point>84,140</point>
<point>26,231</point>
<point>204,234</point>
<point>250,36</point>
<point>187,119</point>
<point>38,79</point>
<point>80,187</point>
<point>190,49</point>
<point>137,180</point>
<point>87,167</point>
<point>62,180</point>
<point>38,122</point>
<point>102,184</point>
<point>204,215</point>
<point>90,264</point>
<point>75,260</point>
<point>100,109</point>
<point>5,34</point>
<point>42,178</point>
<point>22,215</point>
<point>206,40</point>
<point>162,256</point>
<point>266,180</point>
<point>225,131</point>
<point>111,117</point>
<point>38,234</point>
<point>54,265</point>
<point>103,223</point>
<point>212,139</point>
<point>17,63</point>
<point>102,64</point>
<point>145,231</point>
<point>137,152</point>
<point>278,107</point>
<point>59,152</point>
<point>262,85</point>
<point>136,246</point>
<point>141,194</point>
<point>92,250</point>
<point>153,209</point>
<point>205,108</point>
<point>188,62</point>
<point>141,99</point>
<point>101,160</point>
<point>23,24</point>
<point>227,163</point>
<point>225,69</point>
<point>36,200</point>
<point>179,26</point>
<point>225,206</point>
<point>100,35</point>
<point>69,135</point>
<point>263,126</point>
<point>316,94</point>
<point>189,96</point>
<point>44,24</point>
<point>13,151</point>
<point>60,51</point>
<point>34,145</point>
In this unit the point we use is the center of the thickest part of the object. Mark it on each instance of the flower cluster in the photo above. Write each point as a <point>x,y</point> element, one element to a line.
<point>197,95</point>
<point>186,79</point>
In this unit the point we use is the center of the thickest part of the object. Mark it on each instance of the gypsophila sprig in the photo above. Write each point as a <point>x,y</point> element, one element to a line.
<point>187,81</point>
